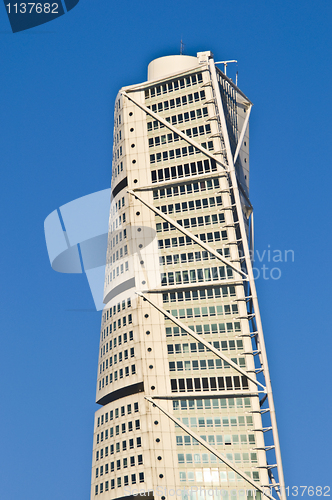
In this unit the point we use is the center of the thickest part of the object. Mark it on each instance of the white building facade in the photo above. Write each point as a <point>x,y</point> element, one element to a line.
<point>183,383</point>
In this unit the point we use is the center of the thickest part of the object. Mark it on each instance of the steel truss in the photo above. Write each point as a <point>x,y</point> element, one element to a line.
<point>244,272</point>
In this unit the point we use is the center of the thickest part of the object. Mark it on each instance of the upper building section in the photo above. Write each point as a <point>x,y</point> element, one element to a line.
<point>169,130</point>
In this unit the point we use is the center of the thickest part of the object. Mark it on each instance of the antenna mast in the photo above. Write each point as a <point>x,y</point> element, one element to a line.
<point>181,47</point>
<point>225,64</point>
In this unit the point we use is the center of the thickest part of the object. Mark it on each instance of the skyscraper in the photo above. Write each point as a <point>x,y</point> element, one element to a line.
<point>183,382</point>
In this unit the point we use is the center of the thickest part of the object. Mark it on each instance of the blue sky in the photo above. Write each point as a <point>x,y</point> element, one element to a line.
<point>57,88</point>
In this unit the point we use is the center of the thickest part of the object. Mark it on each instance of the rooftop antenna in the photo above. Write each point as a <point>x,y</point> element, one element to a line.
<point>225,64</point>
<point>181,47</point>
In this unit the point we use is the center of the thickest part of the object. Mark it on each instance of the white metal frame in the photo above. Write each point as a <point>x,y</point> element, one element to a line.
<point>260,337</point>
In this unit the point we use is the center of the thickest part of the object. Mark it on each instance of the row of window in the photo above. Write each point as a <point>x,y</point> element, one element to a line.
<point>121,356</point>
<point>121,322</point>
<point>195,114</point>
<point>205,458</point>
<point>119,254</point>
<point>207,293</point>
<point>196,275</point>
<point>197,204</point>
<point>203,364</point>
<point>122,373</point>
<point>214,476</point>
<point>118,446</point>
<point>209,384</point>
<point>117,169</point>
<point>118,119</point>
<point>203,312</point>
<point>124,428</point>
<point>173,137</point>
<point>120,306</point>
<point>206,329</point>
<point>201,221</point>
<point>224,345</point>
<point>214,404</point>
<point>116,413</point>
<point>117,222</point>
<point>174,259</point>
<point>174,85</point>
<point>134,478</point>
<point>164,139</point>
<point>122,268</point>
<point>240,421</point>
<point>172,154</point>
<point>205,220</point>
<point>177,102</point>
<point>179,171</point>
<point>126,462</point>
<point>117,153</point>
<point>117,341</point>
<point>195,131</point>
<point>117,205</point>
<point>118,137</point>
<point>117,238</point>
<point>186,240</point>
<point>186,189</point>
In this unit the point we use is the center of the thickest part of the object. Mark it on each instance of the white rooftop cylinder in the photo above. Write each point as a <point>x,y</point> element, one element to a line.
<point>167,65</point>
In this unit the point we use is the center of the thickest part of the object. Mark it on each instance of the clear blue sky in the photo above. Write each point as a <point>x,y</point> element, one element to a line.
<point>57,88</point>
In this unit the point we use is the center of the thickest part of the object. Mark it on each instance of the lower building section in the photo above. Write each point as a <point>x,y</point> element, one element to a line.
<point>139,451</point>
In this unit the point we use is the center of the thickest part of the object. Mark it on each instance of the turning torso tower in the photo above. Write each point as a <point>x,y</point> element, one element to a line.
<point>186,407</point>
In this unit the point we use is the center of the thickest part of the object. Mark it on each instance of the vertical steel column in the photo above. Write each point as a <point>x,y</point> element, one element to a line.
<point>232,173</point>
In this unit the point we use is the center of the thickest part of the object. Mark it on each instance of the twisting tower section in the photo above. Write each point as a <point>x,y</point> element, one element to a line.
<point>183,381</point>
